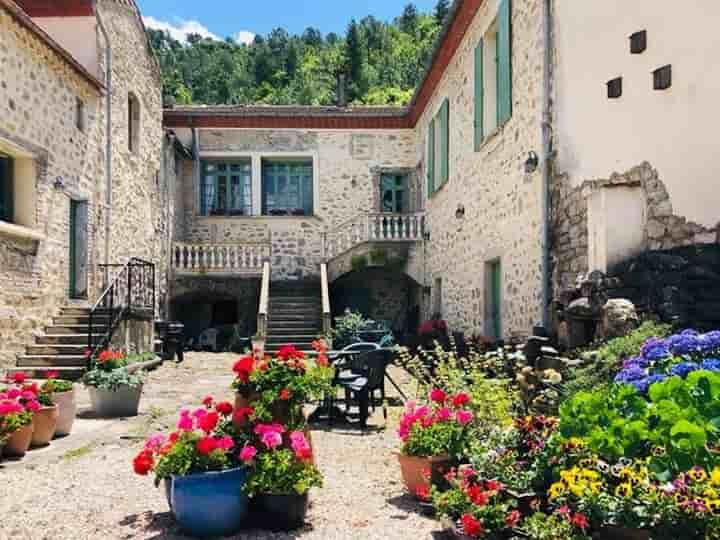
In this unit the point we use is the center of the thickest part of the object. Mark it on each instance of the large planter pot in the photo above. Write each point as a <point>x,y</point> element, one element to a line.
<point>45,421</point>
<point>210,504</point>
<point>68,409</point>
<point>282,512</point>
<point>18,443</point>
<point>414,471</point>
<point>121,403</point>
<point>622,533</point>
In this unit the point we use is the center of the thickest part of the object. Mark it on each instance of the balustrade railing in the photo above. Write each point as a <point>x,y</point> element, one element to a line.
<point>219,258</point>
<point>374,227</point>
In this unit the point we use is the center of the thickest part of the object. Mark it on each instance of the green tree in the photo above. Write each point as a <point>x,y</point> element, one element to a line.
<point>442,9</point>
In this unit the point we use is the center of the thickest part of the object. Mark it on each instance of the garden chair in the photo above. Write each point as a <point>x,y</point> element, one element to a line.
<point>371,367</point>
<point>209,339</point>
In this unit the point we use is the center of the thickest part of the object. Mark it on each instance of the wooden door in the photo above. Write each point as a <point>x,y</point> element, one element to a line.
<point>78,249</point>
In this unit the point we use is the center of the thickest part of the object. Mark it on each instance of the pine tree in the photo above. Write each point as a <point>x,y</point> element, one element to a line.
<point>441,11</point>
<point>354,54</point>
<point>409,19</point>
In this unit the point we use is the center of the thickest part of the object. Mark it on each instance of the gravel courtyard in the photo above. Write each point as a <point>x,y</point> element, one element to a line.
<point>83,487</point>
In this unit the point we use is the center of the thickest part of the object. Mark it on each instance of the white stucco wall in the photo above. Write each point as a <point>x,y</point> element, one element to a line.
<point>675,130</point>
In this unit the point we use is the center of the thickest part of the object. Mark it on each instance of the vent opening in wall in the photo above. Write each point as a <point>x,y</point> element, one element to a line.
<point>614,88</point>
<point>662,78</point>
<point>638,42</point>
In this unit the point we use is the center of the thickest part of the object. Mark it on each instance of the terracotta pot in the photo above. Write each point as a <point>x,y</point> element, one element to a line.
<point>414,471</point>
<point>68,408</point>
<point>46,420</point>
<point>18,443</point>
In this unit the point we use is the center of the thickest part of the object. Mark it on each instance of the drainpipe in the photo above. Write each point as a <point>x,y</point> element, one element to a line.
<point>108,138</point>
<point>546,160</point>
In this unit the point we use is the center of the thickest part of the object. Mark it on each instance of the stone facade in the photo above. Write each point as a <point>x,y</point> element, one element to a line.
<point>59,162</point>
<point>502,204</point>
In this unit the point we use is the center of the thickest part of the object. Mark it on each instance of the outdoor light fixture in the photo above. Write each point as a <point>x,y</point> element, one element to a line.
<point>426,236</point>
<point>614,88</point>
<point>460,212</point>
<point>59,183</point>
<point>662,78</point>
<point>531,163</point>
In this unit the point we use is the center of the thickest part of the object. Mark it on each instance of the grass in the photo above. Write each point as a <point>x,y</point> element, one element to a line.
<point>77,453</point>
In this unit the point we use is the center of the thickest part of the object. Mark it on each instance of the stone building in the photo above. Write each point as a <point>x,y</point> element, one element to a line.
<point>81,177</point>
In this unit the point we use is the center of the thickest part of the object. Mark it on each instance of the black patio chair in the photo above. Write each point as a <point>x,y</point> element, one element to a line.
<point>371,367</point>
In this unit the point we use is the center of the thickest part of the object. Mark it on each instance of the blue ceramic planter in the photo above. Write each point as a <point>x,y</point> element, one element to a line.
<point>210,504</point>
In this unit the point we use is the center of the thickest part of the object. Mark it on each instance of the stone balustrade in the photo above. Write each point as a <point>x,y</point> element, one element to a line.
<point>223,259</point>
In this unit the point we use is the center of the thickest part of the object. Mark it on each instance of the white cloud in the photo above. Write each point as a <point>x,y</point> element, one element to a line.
<point>244,36</point>
<point>180,29</point>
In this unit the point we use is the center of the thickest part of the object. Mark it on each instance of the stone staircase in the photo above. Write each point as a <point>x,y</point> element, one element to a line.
<point>61,347</point>
<point>294,315</point>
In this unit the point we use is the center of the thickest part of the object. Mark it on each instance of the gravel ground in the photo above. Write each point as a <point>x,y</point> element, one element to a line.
<point>83,487</point>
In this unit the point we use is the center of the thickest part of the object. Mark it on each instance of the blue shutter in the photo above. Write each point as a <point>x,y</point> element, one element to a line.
<point>504,67</point>
<point>445,141</point>
<point>431,159</point>
<point>479,95</point>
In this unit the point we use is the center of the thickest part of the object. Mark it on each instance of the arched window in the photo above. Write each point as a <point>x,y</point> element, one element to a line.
<point>133,123</point>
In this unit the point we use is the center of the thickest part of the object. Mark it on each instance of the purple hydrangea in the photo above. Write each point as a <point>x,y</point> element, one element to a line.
<point>684,368</point>
<point>711,364</point>
<point>687,342</point>
<point>710,342</point>
<point>630,374</point>
<point>655,349</point>
<point>643,385</point>
<point>637,362</point>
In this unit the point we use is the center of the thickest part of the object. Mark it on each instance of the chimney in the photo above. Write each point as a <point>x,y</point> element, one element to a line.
<point>341,91</point>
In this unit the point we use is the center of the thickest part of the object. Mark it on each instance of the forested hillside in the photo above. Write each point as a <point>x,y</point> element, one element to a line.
<point>382,62</point>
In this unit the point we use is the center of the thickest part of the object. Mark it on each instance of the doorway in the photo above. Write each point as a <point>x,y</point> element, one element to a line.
<point>493,299</point>
<point>78,249</point>
<point>393,194</point>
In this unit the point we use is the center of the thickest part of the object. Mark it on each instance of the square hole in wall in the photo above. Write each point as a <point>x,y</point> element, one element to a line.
<point>662,78</point>
<point>614,88</point>
<point>638,42</point>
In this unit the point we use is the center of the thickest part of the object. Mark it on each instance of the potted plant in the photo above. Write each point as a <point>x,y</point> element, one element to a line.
<point>281,476</point>
<point>62,393</point>
<point>45,419</point>
<point>245,392</point>
<point>17,407</point>
<point>202,473</point>
<point>433,437</point>
<point>114,391</point>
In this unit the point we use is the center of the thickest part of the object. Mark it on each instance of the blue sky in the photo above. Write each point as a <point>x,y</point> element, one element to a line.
<point>243,18</point>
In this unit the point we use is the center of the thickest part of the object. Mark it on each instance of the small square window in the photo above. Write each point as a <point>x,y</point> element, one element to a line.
<point>614,88</point>
<point>662,78</point>
<point>80,114</point>
<point>638,42</point>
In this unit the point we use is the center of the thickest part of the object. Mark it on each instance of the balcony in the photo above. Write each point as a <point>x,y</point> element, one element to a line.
<point>220,260</point>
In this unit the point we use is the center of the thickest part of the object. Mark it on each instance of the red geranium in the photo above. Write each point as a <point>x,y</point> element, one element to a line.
<point>225,408</point>
<point>461,400</point>
<point>437,395</point>
<point>512,519</point>
<point>208,422</point>
<point>289,352</point>
<point>285,394</point>
<point>423,492</point>
<point>19,377</point>
<point>143,462</point>
<point>240,415</point>
<point>243,368</point>
<point>478,496</point>
<point>206,445</point>
<point>208,401</point>
<point>472,526</point>
<point>580,521</point>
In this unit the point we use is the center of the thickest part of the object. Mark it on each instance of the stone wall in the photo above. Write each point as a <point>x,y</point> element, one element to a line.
<point>662,230</point>
<point>502,203</point>
<point>346,165</point>
<point>38,92</point>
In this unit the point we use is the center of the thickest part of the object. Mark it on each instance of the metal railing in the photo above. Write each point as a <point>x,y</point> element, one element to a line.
<point>245,258</point>
<point>374,227</point>
<point>131,291</point>
<point>264,301</point>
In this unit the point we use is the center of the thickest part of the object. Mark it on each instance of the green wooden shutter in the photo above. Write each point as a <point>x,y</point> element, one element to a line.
<point>444,141</point>
<point>504,67</point>
<point>479,95</point>
<point>431,159</point>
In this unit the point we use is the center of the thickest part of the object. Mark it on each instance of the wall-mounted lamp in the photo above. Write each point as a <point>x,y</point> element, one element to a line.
<point>426,236</point>
<point>59,183</point>
<point>460,212</point>
<point>531,163</point>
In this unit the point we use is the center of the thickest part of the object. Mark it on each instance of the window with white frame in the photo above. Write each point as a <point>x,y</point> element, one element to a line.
<point>226,188</point>
<point>287,187</point>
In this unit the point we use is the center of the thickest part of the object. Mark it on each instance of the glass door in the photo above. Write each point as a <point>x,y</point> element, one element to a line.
<point>78,249</point>
<point>393,193</point>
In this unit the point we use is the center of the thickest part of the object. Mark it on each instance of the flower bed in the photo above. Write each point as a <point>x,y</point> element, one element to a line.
<point>637,457</point>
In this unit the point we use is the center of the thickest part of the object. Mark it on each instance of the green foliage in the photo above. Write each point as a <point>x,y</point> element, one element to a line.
<point>10,423</point>
<point>56,386</point>
<point>383,63</point>
<point>358,262</point>
<point>347,328</point>
<point>183,459</point>
<point>605,361</point>
<point>541,526</point>
<point>441,438</point>
<point>114,379</point>
<point>379,257</point>
<point>280,473</point>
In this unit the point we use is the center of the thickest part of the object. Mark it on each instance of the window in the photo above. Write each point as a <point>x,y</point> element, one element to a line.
<point>80,114</point>
<point>493,76</point>
<point>226,188</point>
<point>439,149</point>
<point>393,193</point>
<point>133,123</point>
<point>6,188</point>
<point>287,187</point>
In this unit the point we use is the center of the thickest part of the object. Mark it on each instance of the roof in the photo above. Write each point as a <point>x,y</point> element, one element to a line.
<point>55,8</point>
<point>24,20</point>
<point>298,117</point>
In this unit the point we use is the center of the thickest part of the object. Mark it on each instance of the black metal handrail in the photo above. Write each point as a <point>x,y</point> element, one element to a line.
<point>131,291</point>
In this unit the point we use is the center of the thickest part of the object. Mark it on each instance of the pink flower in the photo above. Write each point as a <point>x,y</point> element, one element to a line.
<point>13,393</point>
<point>248,453</point>
<point>300,446</point>
<point>461,400</point>
<point>155,442</point>
<point>464,417</point>
<point>225,443</point>
<point>271,439</point>
<point>28,395</point>
<point>33,406</point>
<point>199,413</point>
<point>443,415</point>
<point>185,423</point>
<point>438,396</point>
<point>19,377</point>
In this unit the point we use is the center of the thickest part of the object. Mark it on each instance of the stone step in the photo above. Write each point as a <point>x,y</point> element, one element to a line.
<point>295,299</point>
<point>68,373</point>
<point>294,310</point>
<point>290,340</point>
<point>279,320</point>
<point>50,360</point>
<point>75,311</point>
<point>68,329</point>
<point>300,328</point>
<point>57,350</point>
<point>84,320</point>
<point>66,339</point>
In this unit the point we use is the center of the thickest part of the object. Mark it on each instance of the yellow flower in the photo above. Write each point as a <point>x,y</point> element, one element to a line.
<point>713,506</point>
<point>624,490</point>
<point>556,490</point>
<point>698,474</point>
<point>715,477</point>
<point>711,493</point>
